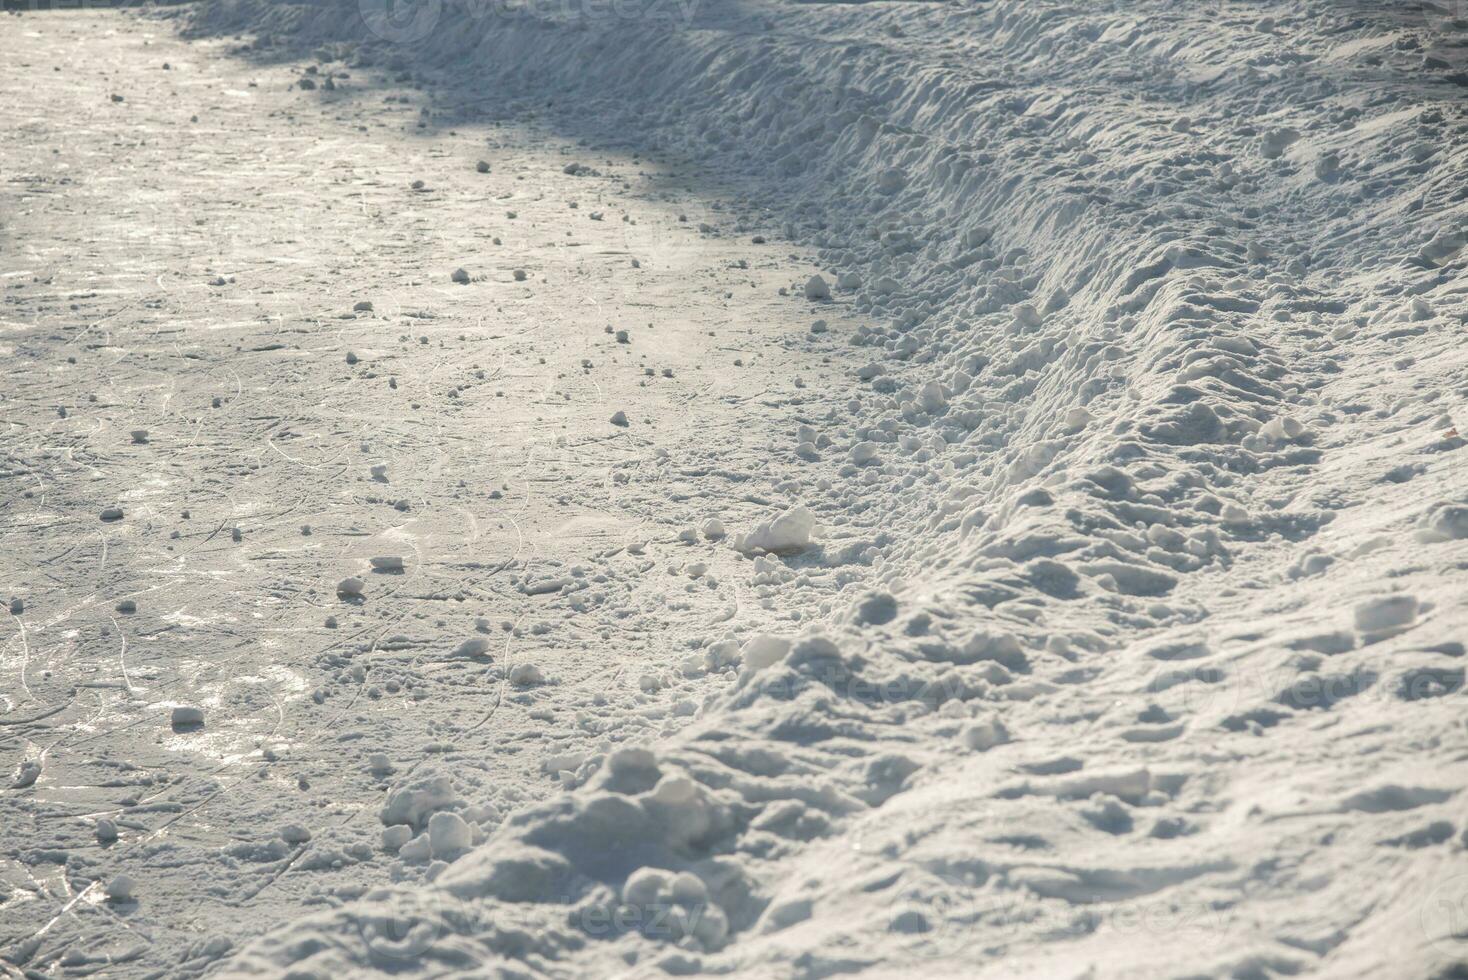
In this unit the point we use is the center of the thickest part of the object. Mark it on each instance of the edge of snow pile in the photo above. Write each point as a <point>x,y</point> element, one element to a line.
<point>1157,445</point>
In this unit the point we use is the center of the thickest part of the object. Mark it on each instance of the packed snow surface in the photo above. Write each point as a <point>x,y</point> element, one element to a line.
<point>1098,599</point>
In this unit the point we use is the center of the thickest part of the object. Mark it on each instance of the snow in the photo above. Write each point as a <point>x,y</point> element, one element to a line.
<point>788,533</point>
<point>474,647</point>
<point>27,774</point>
<point>759,652</point>
<point>1131,642</point>
<point>187,716</point>
<point>395,837</point>
<point>121,888</point>
<point>448,834</point>
<point>414,801</point>
<point>294,833</point>
<point>526,675</point>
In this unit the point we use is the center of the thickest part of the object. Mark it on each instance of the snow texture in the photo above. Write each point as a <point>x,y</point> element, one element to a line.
<point>1132,642</point>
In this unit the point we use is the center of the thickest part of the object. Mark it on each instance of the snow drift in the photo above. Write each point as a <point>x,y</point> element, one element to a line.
<point>1152,437</point>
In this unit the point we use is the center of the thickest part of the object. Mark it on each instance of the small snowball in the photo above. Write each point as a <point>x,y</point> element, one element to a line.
<point>526,675</point>
<point>294,833</point>
<point>645,887</point>
<point>187,716</point>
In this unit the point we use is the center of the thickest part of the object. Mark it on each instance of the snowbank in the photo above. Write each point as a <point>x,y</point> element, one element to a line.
<point>1156,443</point>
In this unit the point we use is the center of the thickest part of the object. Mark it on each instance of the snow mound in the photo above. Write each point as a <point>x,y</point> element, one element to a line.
<point>1160,308</point>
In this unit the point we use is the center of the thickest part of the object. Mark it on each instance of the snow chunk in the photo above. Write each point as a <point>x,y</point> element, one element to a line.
<point>763,650</point>
<point>26,775</point>
<point>932,397</point>
<point>187,716</point>
<point>413,803</point>
<point>975,237</point>
<point>121,888</point>
<point>294,833</point>
<point>645,886</point>
<point>1386,613</point>
<point>1282,428</point>
<point>394,837</point>
<point>787,534</point>
<point>448,834</point>
<point>417,850</point>
<point>526,675</point>
<point>472,648</point>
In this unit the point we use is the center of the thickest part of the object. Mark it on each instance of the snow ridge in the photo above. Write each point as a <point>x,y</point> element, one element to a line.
<point>1163,668</point>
